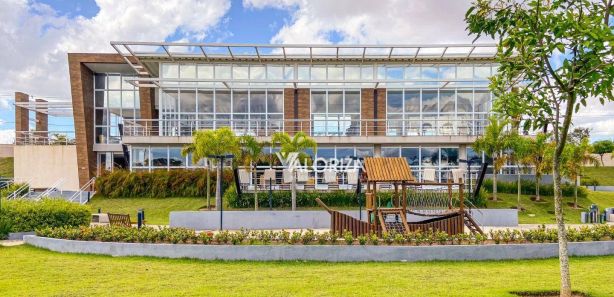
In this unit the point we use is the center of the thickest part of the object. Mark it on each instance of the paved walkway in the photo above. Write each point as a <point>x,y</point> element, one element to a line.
<point>11,242</point>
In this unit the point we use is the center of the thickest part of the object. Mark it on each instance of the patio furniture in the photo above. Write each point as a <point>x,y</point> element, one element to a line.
<point>428,175</point>
<point>122,220</point>
<point>457,175</point>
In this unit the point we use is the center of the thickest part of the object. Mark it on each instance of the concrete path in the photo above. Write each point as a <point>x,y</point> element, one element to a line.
<point>11,242</point>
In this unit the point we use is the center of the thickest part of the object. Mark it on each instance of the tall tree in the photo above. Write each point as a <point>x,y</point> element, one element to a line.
<point>603,147</point>
<point>537,156</point>
<point>493,143</point>
<point>575,156</point>
<point>251,152</point>
<point>558,54</point>
<point>577,134</point>
<point>206,143</point>
<point>299,143</point>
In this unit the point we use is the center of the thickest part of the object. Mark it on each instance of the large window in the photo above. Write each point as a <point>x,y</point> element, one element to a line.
<point>335,112</point>
<point>160,157</point>
<point>114,101</point>
<point>442,159</point>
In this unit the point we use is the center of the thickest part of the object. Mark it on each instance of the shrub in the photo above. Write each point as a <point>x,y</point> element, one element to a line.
<point>26,215</point>
<point>528,188</point>
<point>159,183</point>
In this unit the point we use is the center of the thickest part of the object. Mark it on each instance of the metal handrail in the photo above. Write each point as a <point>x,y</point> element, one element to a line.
<point>44,138</point>
<point>79,194</point>
<point>51,189</point>
<point>17,193</point>
<point>341,126</point>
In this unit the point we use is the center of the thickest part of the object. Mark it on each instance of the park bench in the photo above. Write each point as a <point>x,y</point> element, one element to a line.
<point>119,220</point>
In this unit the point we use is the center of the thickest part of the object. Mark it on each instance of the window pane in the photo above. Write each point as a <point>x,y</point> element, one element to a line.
<point>465,72</point>
<point>257,72</point>
<point>128,99</point>
<point>464,101</point>
<point>318,73</point>
<point>303,72</point>
<point>170,70</point>
<point>430,156</point>
<point>169,100</point>
<point>275,72</point>
<point>352,102</point>
<point>412,72</point>
<point>222,71</point>
<point>429,101</point>
<point>344,152</point>
<point>239,101</point>
<point>394,101</point>
<point>140,157</point>
<point>188,101</point>
<point>390,152</point>
<point>394,73</point>
<point>114,82</point>
<point>100,82</point>
<point>99,99</point>
<point>449,157</point>
<point>115,100</point>
<point>101,117</point>
<point>335,102</point>
<point>482,72</point>
<point>335,72</point>
<point>289,72</point>
<point>473,157</point>
<point>446,101</point>
<point>222,101</point>
<point>447,72</point>
<point>159,156</point>
<point>240,72</point>
<point>364,152</point>
<point>205,71</point>
<point>352,72</point>
<point>412,155</point>
<point>257,102</point>
<point>326,153</point>
<point>412,101</point>
<point>205,101</point>
<point>367,72</point>
<point>318,102</point>
<point>482,99</point>
<point>429,72</point>
<point>175,158</point>
<point>275,101</point>
<point>187,71</point>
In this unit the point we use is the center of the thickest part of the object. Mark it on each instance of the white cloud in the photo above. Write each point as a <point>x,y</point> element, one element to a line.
<point>600,118</point>
<point>367,21</point>
<point>5,104</point>
<point>35,39</point>
<point>7,136</point>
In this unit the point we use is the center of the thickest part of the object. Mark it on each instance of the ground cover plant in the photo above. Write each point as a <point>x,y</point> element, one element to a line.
<point>6,167</point>
<point>247,237</point>
<point>604,176</point>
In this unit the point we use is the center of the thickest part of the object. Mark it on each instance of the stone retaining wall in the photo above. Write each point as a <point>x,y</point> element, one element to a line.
<point>330,253</point>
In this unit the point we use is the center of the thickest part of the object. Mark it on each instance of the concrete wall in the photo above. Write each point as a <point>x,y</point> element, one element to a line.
<point>43,165</point>
<point>305,219</point>
<point>546,178</point>
<point>607,159</point>
<point>6,150</point>
<point>330,253</point>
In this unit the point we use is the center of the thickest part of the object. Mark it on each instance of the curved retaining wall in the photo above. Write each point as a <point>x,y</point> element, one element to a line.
<point>337,253</point>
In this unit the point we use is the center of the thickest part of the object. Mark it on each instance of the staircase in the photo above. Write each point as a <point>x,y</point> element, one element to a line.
<point>473,227</point>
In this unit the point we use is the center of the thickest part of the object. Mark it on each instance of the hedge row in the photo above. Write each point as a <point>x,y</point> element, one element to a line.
<point>159,183</point>
<point>528,188</point>
<point>246,237</point>
<point>26,215</point>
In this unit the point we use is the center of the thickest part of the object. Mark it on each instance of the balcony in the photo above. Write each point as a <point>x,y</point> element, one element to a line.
<point>322,129</point>
<point>45,138</point>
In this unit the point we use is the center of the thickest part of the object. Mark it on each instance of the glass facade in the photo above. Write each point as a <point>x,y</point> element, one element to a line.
<point>114,101</point>
<point>442,159</point>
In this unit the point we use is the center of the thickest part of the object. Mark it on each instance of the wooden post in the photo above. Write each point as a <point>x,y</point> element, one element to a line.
<point>396,201</point>
<point>461,196</point>
<point>449,194</point>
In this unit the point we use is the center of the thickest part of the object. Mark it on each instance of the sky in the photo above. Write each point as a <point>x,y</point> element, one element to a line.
<point>36,35</point>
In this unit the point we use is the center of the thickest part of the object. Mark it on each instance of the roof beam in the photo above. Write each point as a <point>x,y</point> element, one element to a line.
<point>230,52</point>
<point>168,53</point>
<point>202,49</point>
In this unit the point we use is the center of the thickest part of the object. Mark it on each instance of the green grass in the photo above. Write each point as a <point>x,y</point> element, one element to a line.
<point>156,209</point>
<point>37,272</point>
<point>543,212</point>
<point>604,175</point>
<point>6,167</point>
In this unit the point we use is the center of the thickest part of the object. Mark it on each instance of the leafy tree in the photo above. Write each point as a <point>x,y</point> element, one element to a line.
<point>206,143</point>
<point>603,147</point>
<point>532,35</point>
<point>493,143</point>
<point>251,153</point>
<point>575,156</point>
<point>537,156</point>
<point>577,134</point>
<point>299,143</point>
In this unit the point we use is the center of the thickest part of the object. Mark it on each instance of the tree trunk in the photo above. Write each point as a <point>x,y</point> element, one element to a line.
<point>218,187</point>
<point>538,181</point>
<point>519,190</point>
<point>208,185</point>
<point>562,233</point>
<point>256,190</point>
<point>575,193</point>
<point>293,190</point>
<point>494,184</point>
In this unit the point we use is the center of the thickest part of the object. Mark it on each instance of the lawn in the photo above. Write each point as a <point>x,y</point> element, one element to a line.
<point>543,212</point>
<point>37,272</point>
<point>6,167</point>
<point>604,175</point>
<point>156,209</point>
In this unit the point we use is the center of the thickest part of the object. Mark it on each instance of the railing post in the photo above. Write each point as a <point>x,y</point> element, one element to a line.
<point>461,195</point>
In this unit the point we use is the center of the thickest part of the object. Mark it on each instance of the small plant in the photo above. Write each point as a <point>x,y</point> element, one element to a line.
<point>308,237</point>
<point>323,237</point>
<point>284,236</point>
<point>205,237</point>
<point>295,237</point>
<point>388,237</point>
<point>334,237</point>
<point>441,237</point>
<point>373,239</point>
<point>222,237</point>
<point>399,238</point>
<point>362,239</point>
<point>348,237</point>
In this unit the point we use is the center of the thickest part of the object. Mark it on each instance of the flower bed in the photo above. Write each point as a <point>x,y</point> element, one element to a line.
<point>309,237</point>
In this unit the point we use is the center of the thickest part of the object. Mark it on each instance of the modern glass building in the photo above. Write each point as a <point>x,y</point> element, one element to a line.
<point>138,107</point>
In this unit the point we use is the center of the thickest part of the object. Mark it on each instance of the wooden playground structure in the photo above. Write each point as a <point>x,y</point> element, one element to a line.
<point>411,206</point>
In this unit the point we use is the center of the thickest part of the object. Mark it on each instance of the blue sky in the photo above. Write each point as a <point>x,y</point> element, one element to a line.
<point>36,35</point>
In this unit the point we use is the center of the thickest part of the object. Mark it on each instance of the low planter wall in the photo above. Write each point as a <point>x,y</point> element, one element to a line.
<point>259,220</point>
<point>330,253</point>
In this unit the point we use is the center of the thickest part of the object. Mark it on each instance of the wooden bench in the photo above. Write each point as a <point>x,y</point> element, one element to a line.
<point>119,220</point>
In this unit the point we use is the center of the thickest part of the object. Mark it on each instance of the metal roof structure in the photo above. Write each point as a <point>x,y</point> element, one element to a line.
<point>134,52</point>
<point>52,108</point>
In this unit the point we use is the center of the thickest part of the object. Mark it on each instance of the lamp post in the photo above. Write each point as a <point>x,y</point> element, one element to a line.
<point>358,186</point>
<point>219,183</point>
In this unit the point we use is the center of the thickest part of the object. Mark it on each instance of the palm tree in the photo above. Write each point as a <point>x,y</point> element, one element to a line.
<point>537,155</point>
<point>520,150</point>
<point>251,152</point>
<point>299,143</point>
<point>493,143</point>
<point>574,158</point>
<point>213,142</point>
